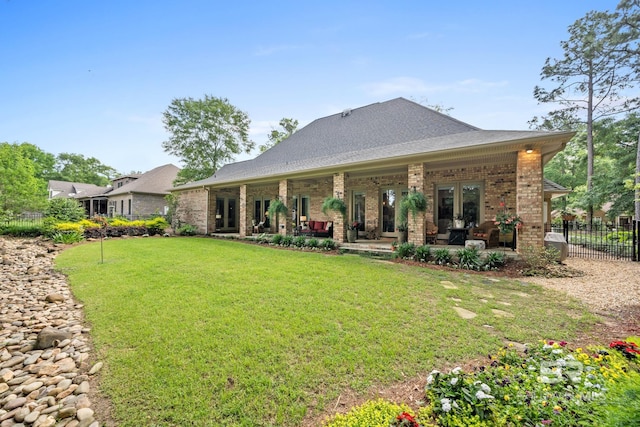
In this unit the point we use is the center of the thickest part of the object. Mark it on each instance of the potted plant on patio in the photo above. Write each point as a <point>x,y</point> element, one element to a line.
<point>335,204</point>
<point>352,232</point>
<point>277,208</point>
<point>402,228</point>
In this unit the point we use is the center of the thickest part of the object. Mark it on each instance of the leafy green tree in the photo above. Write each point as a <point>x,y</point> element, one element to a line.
<point>20,190</point>
<point>205,134</point>
<point>44,163</point>
<point>77,168</point>
<point>590,80</point>
<point>276,136</point>
<point>63,209</point>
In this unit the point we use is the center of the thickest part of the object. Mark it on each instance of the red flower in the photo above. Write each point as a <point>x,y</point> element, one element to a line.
<point>410,421</point>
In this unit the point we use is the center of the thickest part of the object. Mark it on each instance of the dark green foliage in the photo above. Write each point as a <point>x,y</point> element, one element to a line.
<point>334,204</point>
<point>328,244</point>
<point>187,230</point>
<point>276,239</point>
<point>494,261</point>
<point>17,230</point>
<point>287,240</point>
<point>299,241</point>
<point>405,251</point>
<point>313,243</point>
<point>469,259</point>
<point>442,256</point>
<point>66,210</point>
<point>423,253</point>
<point>414,202</point>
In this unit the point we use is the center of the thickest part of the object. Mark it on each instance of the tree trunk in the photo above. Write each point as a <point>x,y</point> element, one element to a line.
<point>590,152</point>
<point>637,198</point>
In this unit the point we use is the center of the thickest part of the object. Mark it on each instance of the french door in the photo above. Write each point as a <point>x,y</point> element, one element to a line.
<point>459,198</point>
<point>390,199</point>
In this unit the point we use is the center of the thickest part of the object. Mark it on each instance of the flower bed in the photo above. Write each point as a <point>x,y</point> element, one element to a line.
<point>546,384</point>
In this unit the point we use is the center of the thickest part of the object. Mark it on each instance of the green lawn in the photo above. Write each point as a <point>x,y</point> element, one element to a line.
<point>197,331</point>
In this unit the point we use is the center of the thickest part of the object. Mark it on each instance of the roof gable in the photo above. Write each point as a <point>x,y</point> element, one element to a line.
<point>155,181</point>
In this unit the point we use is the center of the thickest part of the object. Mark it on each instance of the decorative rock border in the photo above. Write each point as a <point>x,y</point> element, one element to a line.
<point>44,345</point>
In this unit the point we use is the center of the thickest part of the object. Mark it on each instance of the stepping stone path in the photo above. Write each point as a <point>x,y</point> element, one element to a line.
<point>468,314</point>
<point>45,376</point>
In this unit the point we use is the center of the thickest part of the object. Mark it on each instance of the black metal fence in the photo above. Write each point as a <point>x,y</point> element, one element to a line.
<point>601,241</point>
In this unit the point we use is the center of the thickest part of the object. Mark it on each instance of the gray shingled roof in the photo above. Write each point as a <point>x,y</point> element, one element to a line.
<point>75,189</point>
<point>552,187</point>
<point>156,181</point>
<point>395,128</point>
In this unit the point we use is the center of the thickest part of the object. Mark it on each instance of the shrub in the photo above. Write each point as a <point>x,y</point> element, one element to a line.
<point>67,237</point>
<point>186,230</point>
<point>328,244</point>
<point>18,230</point>
<point>539,259</point>
<point>405,251</point>
<point>375,413</point>
<point>64,210</point>
<point>277,239</point>
<point>619,236</point>
<point>262,238</point>
<point>494,261</point>
<point>312,243</point>
<point>442,256</point>
<point>469,259</point>
<point>423,253</point>
<point>299,241</point>
<point>287,240</point>
<point>156,225</point>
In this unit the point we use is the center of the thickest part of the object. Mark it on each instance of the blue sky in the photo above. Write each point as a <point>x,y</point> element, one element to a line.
<point>93,77</point>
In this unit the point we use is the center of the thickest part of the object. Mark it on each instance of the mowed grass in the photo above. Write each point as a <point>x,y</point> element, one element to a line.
<point>204,332</point>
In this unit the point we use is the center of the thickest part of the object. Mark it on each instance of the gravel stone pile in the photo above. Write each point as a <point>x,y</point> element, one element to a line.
<point>44,346</point>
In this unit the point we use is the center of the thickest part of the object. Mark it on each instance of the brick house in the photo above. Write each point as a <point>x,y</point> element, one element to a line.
<point>370,157</point>
<point>142,195</point>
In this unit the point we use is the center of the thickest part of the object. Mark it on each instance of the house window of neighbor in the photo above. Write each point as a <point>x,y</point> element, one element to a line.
<point>129,207</point>
<point>121,207</point>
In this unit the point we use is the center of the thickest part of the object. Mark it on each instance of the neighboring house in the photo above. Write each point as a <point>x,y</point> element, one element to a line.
<point>370,157</point>
<point>135,196</point>
<point>552,190</point>
<point>92,197</point>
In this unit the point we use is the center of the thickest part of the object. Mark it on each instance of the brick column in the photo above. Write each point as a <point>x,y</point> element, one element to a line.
<point>416,178</point>
<point>339,190</point>
<point>283,192</point>
<point>245,219</point>
<point>529,199</point>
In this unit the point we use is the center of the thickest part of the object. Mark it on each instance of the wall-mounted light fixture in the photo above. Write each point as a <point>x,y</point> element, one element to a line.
<point>528,149</point>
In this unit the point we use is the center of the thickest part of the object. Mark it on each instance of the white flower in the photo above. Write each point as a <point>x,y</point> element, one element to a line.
<point>446,404</point>
<point>557,351</point>
<point>456,370</point>
<point>485,388</point>
<point>454,380</point>
<point>482,395</point>
<point>429,379</point>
